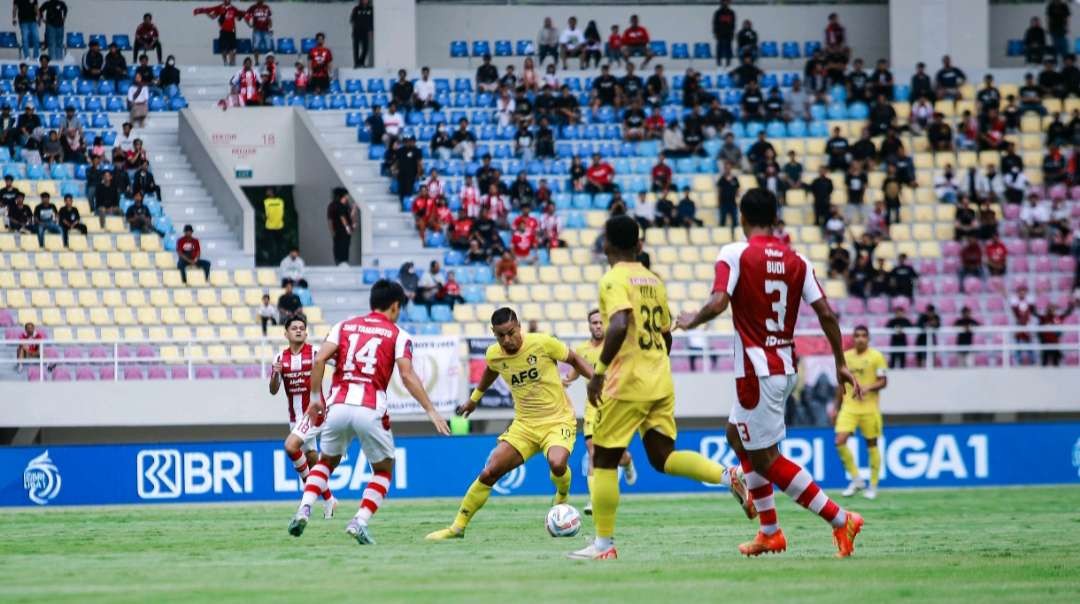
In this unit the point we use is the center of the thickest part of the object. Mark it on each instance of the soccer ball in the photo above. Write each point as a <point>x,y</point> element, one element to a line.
<point>563,521</point>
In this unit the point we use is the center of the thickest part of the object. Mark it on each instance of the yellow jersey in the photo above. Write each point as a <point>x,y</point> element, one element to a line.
<point>867,368</point>
<point>275,213</point>
<point>533,376</point>
<point>589,351</point>
<point>641,370</point>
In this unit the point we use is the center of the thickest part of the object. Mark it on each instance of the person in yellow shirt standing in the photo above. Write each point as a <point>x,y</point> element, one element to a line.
<point>632,385</point>
<point>590,351</point>
<point>543,417</point>
<point>274,209</point>
<point>868,366</point>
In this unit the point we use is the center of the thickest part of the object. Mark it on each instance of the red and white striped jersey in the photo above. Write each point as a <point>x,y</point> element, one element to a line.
<point>368,348</point>
<point>765,280</point>
<point>296,378</point>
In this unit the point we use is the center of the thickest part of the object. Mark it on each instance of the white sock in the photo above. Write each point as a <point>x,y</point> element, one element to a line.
<point>603,543</point>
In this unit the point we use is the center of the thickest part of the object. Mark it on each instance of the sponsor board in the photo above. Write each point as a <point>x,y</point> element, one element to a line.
<point>428,466</point>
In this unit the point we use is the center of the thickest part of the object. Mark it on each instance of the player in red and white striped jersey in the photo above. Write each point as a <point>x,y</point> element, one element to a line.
<point>292,369</point>
<point>764,281</point>
<point>366,350</point>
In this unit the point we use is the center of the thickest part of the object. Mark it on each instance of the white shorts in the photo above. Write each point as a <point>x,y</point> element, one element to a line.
<point>371,426</point>
<point>759,412</point>
<point>307,432</point>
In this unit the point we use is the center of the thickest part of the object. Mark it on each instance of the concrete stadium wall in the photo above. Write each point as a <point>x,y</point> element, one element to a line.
<point>924,30</point>
<point>259,139</point>
<point>1011,20</point>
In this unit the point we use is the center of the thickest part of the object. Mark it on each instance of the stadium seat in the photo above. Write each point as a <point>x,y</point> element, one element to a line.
<point>286,46</point>
<point>459,49</point>
<point>703,50</point>
<point>480,48</point>
<point>680,50</point>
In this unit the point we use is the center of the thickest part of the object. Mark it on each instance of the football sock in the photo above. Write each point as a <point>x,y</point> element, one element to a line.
<point>798,484</point>
<point>316,483</point>
<point>690,464</point>
<point>605,500</point>
<point>562,483</point>
<point>875,466</point>
<point>761,492</point>
<point>374,494</point>
<point>849,461</point>
<point>474,499</point>
<point>299,462</point>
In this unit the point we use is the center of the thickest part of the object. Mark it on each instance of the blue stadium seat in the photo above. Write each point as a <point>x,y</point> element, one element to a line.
<point>370,276</point>
<point>819,129</point>
<point>459,49</point>
<point>286,46</point>
<point>902,93</point>
<point>353,119</point>
<point>702,50</point>
<point>100,120</point>
<point>306,44</point>
<point>769,50</point>
<point>71,188</point>
<point>70,72</point>
<point>108,137</point>
<point>244,46</point>
<point>114,104</point>
<point>776,130</point>
<point>440,313</point>
<point>796,128</point>
<point>376,152</point>
<point>101,39</point>
<point>35,172</point>
<point>462,85</point>
<point>787,79</point>
<point>376,86</point>
<point>769,80</point>
<point>93,104</point>
<point>575,220</point>
<point>789,50</point>
<point>659,48</point>
<point>680,50</point>
<point>724,81</point>
<point>8,40</point>
<point>123,41</point>
<point>481,48</point>
<point>858,111</point>
<point>503,48</point>
<point>525,48</point>
<point>178,102</point>
<point>338,101</point>
<point>157,104</point>
<point>837,111</point>
<point>106,87</point>
<point>810,47</point>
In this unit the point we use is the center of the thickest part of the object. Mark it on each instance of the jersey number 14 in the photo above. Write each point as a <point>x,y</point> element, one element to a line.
<point>365,357</point>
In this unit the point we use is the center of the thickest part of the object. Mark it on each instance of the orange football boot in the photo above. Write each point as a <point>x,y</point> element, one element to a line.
<point>764,544</point>
<point>844,537</point>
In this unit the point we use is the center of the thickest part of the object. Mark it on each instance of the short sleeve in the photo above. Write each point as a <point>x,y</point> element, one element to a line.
<point>615,295</point>
<point>728,268</point>
<point>811,289</point>
<point>880,367</point>
<point>490,353</point>
<point>403,345</point>
<point>555,348</point>
<point>334,337</point>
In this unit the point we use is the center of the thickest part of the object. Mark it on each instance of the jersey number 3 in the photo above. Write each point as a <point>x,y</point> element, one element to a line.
<point>779,307</point>
<point>365,357</point>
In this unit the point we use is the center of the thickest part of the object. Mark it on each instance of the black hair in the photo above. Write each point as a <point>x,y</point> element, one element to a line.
<point>622,232</point>
<point>385,292</point>
<point>592,311</point>
<point>297,317</point>
<point>759,207</point>
<point>503,315</point>
<point>861,328</point>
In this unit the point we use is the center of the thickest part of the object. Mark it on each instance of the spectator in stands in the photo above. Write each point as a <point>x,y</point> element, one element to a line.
<point>600,177</point>
<point>921,85</point>
<point>441,145</point>
<point>429,289</point>
<point>146,73</point>
<point>1035,42</point>
<point>686,211</point>
<point>342,219</point>
<point>138,216</point>
<point>928,323</point>
<point>321,64</point>
<point>292,267</point>
<point>635,42</point>
<point>260,18</point>
<point>971,260</point>
<point>877,222</point>
<point>421,209</point>
<point>188,250</point>
<point>996,256</point>
<point>1055,166</point>
<point>1031,95</point>
<point>902,279</point>
<point>1057,133</point>
<point>460,231</point>
<point>143,181</point>
<point>835,227</point>
<point>634,122</point>
<point>796,103</point>
<point>486,233</point>
<point>792,173</point>
<point>20,216</point>
<point>965,223</point>
<point>506,269</point>
<point>593,50</point>
<point>362,18</point>
<point>604,88</point>
<point>613,48</point>
<point>665,211</point>
<point>988,184</point>
<point>1023,310</point>
<point>288,303</point>
<point>29,127</point>
<point>837,149</point>
<point>1050,81</point>
<point>988,223</point>
<point>522,193</point>
<point>147,38</point>
<point>523,240</point>
<point>267,313</point>
<point>821,189</point>
<point>656,87</point>
<point>947,185</point>
<point>839,261</point>
<point>115,68</point>
<point>855,179</point>
<point>857,83</point>
<point>547,42</point>
<point>46,80</point>
<point>31,347</point>
<point>882,116</point>
<point>1070,76</point>
<point>572,43</point>
<point>301,78</point>
<point>674,144</point>
<point>106,197</point>
<point>723,27</point>
<point>939,133</point>
<point>46,219</point>
<point>138,100</point>
<point>273,213</point>
<point>93,62</point>
<point>9,134</point>
<point>727,188</point>
<point>922,112</point>
<point>22,83</point>
<point>424,92</point>
<point>52,151</point>
<point>70,220</point>
<point>746,41</point>
<point>1057,22</point>
<point>898,339</point>
<point>567,109</point>
<point>866,244</point>
<point>1049,339</point>
<point>965,338</point>
<point>948,80</point>
<point>25,15</point>
<point>401,91</point>
<point>860,276</point>
<point>410,165</point>
<point>661,174</point>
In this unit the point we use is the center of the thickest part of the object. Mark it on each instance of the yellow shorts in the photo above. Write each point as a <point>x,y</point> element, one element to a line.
<point>590,419</point>
<point>617,421</point>
<point>529,439</point>
<point>868,422</point>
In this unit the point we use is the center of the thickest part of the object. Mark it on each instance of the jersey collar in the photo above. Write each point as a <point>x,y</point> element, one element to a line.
<point>763,239</point>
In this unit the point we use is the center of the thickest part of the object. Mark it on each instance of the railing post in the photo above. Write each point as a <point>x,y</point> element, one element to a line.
<point>116,360</point>
<point>41,363</point>
<point>187,354</point>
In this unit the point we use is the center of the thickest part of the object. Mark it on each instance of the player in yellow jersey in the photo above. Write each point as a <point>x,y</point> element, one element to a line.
<point>590,351</point>
<point>544,420</point>
<point>868,366</point>
<point>632,385</point>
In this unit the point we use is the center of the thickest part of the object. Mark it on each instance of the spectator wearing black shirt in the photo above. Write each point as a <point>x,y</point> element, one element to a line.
<point>656,86</point>
<point>362,19</point>
<point>1034,42</point>
<point>839,260</point>
<point>115,64</point>
<point>20,216</point>
<point>604,88</point>
<point>727,190</point>
<point>753,102</point>
<point>441,145</point>
<point>339,217</point>
<point>686,211</point>
<point>774,105</point>
<point>928,322</point>
<point>634,122</point>
<point>717,119</point>
<point>9,133</point>
<point>837,149</point>
<point>24,14</point>
<point>93,62</point>
<point>939,134</point>
<point>631,86</point>
<point>723,27</point>
<point>46,219</point>
<point>1031,95</point>
<point>486,232</point>
<point>746,41</point>
<point>1057,23</point>
<point>70,220</point>
<point>882,79</point>
<point>860,276</point>
<point>1070,76</point>
<point>890,191</point>
<point>921,85</point>
<point>170,75</point>
<point>898,323</point>
<point>965,338</point>
<point>8,193</point>
<point>29,127</point>
<point>463,141</point>
<point>756,153</point>
<point>288,303</point>
<point>902,279</point>
<point>143,181</point>
<point>487,76</point>
<point>792,173</point>
<point>855,179</point>
<point>375,125</point>
<point>665,212</point>
<point>522,193</point>
<point>864,150</point>
<point>1055,166</point>
<point>138,216</point>
<point>1050,81</point>
<point>858,83</point>
<point>882,116</point>
<point>567,110</point>
<point>410,165</point>
<point>545,140</point>
<point>821,189</point>
<point>746,72</point>
<point>948,80</point>
<point>988,97</point>
<point>106,197</point>
<point>402,90</point>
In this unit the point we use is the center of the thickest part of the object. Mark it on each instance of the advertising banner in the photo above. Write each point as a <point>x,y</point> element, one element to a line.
<point>913,456</point>
<point>435,359</point>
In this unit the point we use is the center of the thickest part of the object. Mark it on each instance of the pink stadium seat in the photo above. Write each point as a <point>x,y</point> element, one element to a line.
<point>145,351</point>
<point>928,267</point>
<point>62,374</point>
<point>678,344</point>
<point>725,364</point>
<point>946,305</point>
<point>33,374</point>
<point>920,306</point>
<point>1067,264</point>
<point>877,305</point>
<point>973,285</point>
<point>1039,247</point>
<point>1042,284</point>
<point>228,372</point>
<point>1074,193</point>
<point>680,365</point>
<point>950,248</point>
<point>73,352</point>
<point>1010,229</point>
<point>99,352</point>
<point>854,306</point>
<point>982,359</point>
<point>1037,190</point>
<point>107,373</point>
<point>132,373</point>
<point>124,351</point>
<point>1020,265</point>
<point>1042,301</point>
<point>1012,211</point>
<point>950,285</point>
<point>1063,283</point>
<point>996,284</point>
<point>12,333</point>
<point>973,302</point>
<point>251,372</point>
<point>84,374</point>
<point>1015,246</point>
<point>51,352</point>
<point>178,372</point>
<point>157,372</point>
<point>1074,210</point>
<point>6,318</point>
<point>995,304</point>
<point>1070,337</point>
<point>1072,359</point>
<point>204,373</point>
<point>950,265</point>
<point>926,287</point>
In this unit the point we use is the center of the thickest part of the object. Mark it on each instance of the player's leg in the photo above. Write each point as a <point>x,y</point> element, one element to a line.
<point>658,434</point>
<point>337,433</point>
<point>504,458</point>
<point>629,471</point>
<point>377,443</point>
<point>871,428</point>
<point>589,475</point>
<point>557,443</point>
<point>846,423</point>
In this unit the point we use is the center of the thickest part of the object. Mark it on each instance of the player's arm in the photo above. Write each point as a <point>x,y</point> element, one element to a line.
<point>275,377</point>
<point>618,325</point>
<point>416,389</point>
<point>465,409</point>
<point>716,305</point>
<point>831,326</point>
<point>578,367</point>
<point>318,367</point>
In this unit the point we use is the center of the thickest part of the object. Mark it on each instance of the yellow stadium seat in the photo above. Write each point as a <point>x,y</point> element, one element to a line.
<point>99,317</point>
<point>170,354</point>
<point>518,294</point>
<point>40,298</point>
<point>580,256</point>
<point>63,334</point>
<point>53,279</point>
<point>560,256</point>
<point>244,277</point>
<point>266,277</point>
<point>195,278</point>
<point>699,292</point>
<point>150,243</point>
<point>140,261</point>
<point>929,249</point>
<point>899,232</point>
<point>78,279</point>
<point>101,243</point>
<point>92,261</point>
<point>922,232</point>
<point>20,261</point>
<point>125,279</point>
<point>475,330</point>
<point>231,297</point>
<point>531,311</point>
<point>592,274</point>
<point>554,311</point>
<point>194,315</point>
<point>112,298</point>
<point>171,279</point>
<point>699,236</point>
<point>219,278</point>
<point>206,297</point>
<point>72,316</point>
<point>54,243</point>
<point>125,243</point>
<point>586,292</point>
<point>182,333</point>
<point>464,313</point>
<point>495,294</point>
<point>835,288</point>
<point>907,247</point>
<point>722,236</point>
<point>595,220</point>
<point>572,237</point>
<point>704,272</point>
<point>683,272</point>
<point>28,315</point>
<point>67,260</point>
<point>577,311</point>
<point>944,232</point>
<point>217,352</point>
<point>123,316</point>
<point>8,242</point>
<point>527,274</point>
<point>702,183</point>
<point>218,315</point>
<point>115,224</point>
<point>451,329</point>
<point>924,213</point>
<point>85,334</point>
<point>29,243</point>
<point>116,260</point>
<point>164,261</point>
<point>253,297</point>
<point>170,316</point>
<point>7,280</point>
<point>156,333</point>
<point>663,271</point>
<point>666,255</point>
<point>64,298</point>
<point>241,315</point>
<point>676,291</point>
<point>540,293</point>
<point>678,237</point>
<point>656,237</point>
<point>29,279</point>
<point>563,293</point>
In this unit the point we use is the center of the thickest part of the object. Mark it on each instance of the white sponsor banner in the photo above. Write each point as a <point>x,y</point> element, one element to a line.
<point>437,363</point>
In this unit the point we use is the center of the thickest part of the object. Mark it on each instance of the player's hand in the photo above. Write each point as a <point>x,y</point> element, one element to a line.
<point>277,368</point>
<point>439,422</point>
<point>465,409</point>
<point>685,320</point>
<point>316,409</point>
<point>596,385</point>
<point>844,376</point>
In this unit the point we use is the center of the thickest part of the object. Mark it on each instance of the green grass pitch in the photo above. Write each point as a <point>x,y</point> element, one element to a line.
<point>975,545</point>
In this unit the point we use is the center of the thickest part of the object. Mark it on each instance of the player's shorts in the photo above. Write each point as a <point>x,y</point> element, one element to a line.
<point>759,413</point>
<point>869,422</point>
<point>307,432</point>
<point>589,423</point>
<point>529,439</point>
<point>617,420</point>
<point>371,426</point>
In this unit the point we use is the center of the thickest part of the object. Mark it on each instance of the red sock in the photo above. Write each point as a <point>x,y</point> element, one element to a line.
<point>374,495</point>
<point>800,486</point>
<point>761,492</point>
<point>299,461</point>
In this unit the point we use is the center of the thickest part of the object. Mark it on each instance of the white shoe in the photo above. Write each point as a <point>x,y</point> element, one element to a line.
<point>591,552</point>
<point>630,473</point>
<point>853,487</point>
<point>329,506</point>
<point>870,493</point>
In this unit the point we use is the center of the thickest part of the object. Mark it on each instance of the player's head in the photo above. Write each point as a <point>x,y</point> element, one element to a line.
<point>507,329</point>
<point>596,325</point>
<point>622,239</point>
<point>296,329</point>
<point>388,298</point>
<point>861,338</point>
<point>757,210</point>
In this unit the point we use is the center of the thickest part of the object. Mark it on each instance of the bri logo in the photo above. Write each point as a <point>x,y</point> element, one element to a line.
<point>511,481</point>
<point>41,479</point>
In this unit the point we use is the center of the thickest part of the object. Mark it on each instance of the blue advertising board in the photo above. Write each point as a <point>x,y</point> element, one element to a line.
<point>913,456</point>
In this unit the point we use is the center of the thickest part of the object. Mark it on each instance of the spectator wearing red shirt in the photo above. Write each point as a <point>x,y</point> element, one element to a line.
<point>422,207</point>
<point>550,228</point>
<point>460,231</point>
<point>496,206</point>
<point>635,42</point>
<point>1051,357</point>
<point>661,174</point>
<point>29,350</point>
<point>258,16</point>
<point>971,260</point>
<point>600,177</point>
<point>470,197</point>
<point>996,256</point>
<point>835,36</point>
<point>506,269</point>
<point>614,48</point>
<point>147,38</point>
<point>440,216</point>
<point>654,125</point>
<point>188,250</point>
<point>321,63</point>
<point>226,15</point>
<point>523,243</point>
<point>526,218</point>
<point>452,290</point>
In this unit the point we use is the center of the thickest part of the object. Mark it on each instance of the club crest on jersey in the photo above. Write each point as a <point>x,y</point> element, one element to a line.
<point>531,359</point>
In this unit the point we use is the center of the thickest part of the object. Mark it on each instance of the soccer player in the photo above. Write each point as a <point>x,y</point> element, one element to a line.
<point>868,366</point>
<point>365,350</point>
<point>764,281</point>
<point>632,385</point>
<point>543,418</point>
<point>292,368</point>
<point>590,351</point>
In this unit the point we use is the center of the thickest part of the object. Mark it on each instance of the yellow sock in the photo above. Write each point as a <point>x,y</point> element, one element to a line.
<point>849,461</point>
<point>589,480</point>
<point>605,500</point>
<point>689,464</point>
<point>474,499</point>
<point>562,484</point>
<point>875,466</point>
